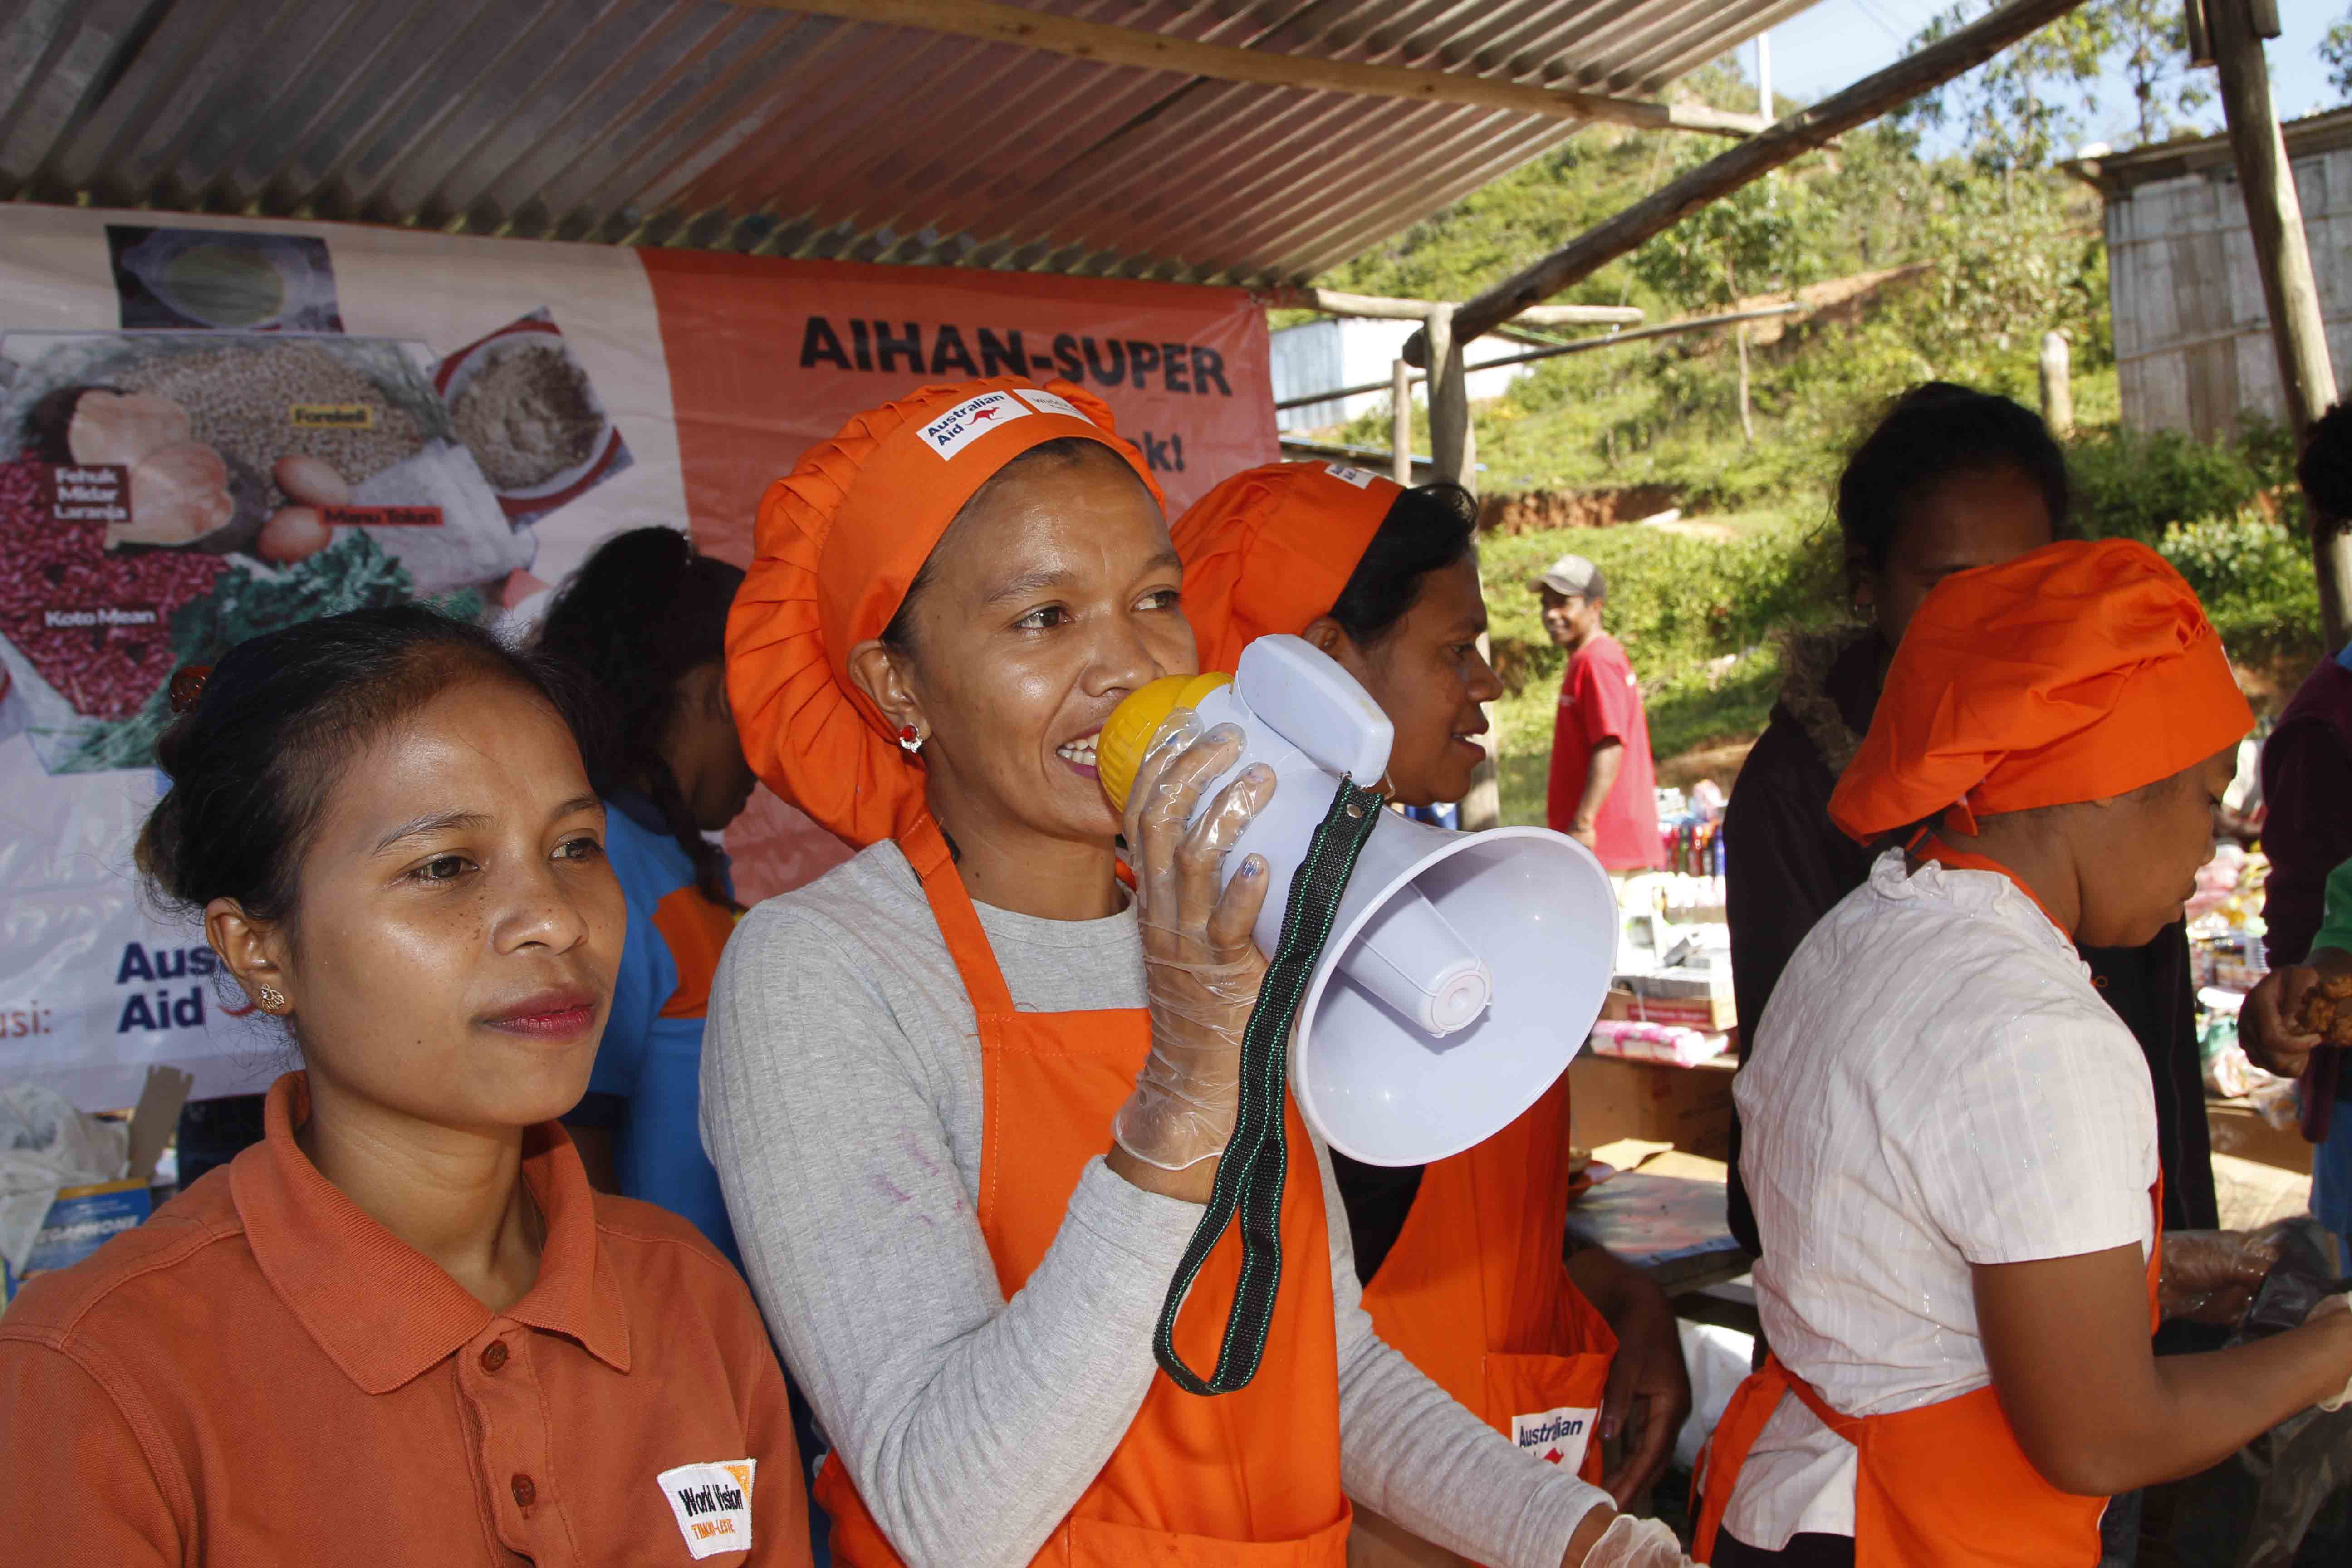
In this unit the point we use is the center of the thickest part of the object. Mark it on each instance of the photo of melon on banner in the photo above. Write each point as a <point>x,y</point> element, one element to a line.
<point>166,495</point>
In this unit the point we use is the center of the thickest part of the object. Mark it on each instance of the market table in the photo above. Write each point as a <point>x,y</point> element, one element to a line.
<point>1666,1216</point>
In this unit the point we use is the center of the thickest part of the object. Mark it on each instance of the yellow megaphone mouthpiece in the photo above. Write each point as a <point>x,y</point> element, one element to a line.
<point>1129,732</point>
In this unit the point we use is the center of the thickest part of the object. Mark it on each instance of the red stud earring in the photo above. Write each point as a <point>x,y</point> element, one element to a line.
<point>910,740</point>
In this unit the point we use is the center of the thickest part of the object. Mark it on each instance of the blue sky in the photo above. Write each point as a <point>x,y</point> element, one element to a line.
<point>1839,41</point>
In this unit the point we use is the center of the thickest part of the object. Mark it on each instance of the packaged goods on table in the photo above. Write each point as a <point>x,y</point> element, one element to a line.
<point>1676,1045</point>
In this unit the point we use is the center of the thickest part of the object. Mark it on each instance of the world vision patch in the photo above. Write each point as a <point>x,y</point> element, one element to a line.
<point>1045,402</point>
<point>970,419</point>
<point>712,1504</point>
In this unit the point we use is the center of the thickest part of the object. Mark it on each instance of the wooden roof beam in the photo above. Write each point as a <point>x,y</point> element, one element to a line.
<point>1785,140</point>
<point>1000,24</point>
<point>1381,306</point>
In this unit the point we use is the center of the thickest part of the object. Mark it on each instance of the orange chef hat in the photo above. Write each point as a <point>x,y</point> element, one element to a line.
<point>837,543</point>
<point>2073,672</point>
<point>1272,548</point>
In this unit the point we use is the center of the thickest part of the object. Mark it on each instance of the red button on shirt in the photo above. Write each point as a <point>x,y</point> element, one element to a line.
<point>494,1356</point>
<point>524,1493</point>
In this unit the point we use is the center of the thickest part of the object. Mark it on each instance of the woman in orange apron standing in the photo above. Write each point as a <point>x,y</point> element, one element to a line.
<point>1460,1260</point>
<point>1952,1141</point>
<point>966,1093</point>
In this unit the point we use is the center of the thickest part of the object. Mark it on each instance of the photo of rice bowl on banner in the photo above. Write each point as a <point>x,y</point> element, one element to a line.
<point>164,495</point>
<point>523,405</point>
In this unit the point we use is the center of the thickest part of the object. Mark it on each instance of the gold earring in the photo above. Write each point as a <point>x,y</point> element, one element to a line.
<point>273,1000</point>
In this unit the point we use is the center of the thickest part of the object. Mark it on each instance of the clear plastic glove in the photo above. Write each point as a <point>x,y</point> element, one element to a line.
<point>1631,1543</point>
<point>1201,969</point>
<point>2211,1276</point>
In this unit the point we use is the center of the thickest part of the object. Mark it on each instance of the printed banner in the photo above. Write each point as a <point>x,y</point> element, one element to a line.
<point>213,427</point>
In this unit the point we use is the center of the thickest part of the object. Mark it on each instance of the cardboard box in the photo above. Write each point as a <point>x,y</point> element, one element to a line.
<point>1688,1107</point>
<point>2238,1129</point>
<point>1709,1009</point>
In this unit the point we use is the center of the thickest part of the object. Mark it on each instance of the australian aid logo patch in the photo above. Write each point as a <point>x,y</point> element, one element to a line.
<point>970,419</point>
<point>713,1505</point>
<point>1556,1437</point>
<point>1361,478</point>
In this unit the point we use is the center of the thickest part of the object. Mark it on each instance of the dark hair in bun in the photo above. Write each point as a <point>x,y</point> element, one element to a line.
<point>1428,528</point>
<point>641,613</point>
<point>1929,434</point>
<point>252,761</point>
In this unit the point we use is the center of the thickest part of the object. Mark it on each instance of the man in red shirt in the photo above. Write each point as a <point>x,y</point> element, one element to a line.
<point>1604,787</point>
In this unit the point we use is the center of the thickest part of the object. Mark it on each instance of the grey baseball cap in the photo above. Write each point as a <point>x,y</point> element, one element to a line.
<point>1575,574</point>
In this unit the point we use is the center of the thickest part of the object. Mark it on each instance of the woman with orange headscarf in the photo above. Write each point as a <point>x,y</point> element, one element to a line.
<point>966,1094</point>
<point>1951,1143</point>
<point>1460,1260</point>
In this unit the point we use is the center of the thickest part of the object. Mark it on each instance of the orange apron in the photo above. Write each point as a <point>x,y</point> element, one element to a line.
<point>1944,1486</point>
<point>1248,1480</point>
<point>1475,1292</point>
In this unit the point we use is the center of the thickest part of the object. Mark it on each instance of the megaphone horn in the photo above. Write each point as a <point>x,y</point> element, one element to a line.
<point>1463,971</point>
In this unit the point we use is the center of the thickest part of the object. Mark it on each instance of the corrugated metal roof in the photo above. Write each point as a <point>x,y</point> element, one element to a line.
<point>697,122</point>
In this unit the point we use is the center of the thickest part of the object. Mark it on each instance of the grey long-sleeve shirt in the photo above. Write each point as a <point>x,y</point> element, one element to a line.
<point>841,1102</point>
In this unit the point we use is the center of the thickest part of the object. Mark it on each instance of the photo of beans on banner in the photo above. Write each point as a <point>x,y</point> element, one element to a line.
<point>166,494</point>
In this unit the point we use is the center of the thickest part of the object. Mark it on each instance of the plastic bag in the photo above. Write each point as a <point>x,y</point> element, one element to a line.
<point>44,1145</point>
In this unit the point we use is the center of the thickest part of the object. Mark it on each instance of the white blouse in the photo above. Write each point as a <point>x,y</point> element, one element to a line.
<point>1935,1084</point>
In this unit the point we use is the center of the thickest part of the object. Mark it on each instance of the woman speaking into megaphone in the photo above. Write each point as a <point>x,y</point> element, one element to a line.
<point>1459,1260</point>
<point>966,1094</point>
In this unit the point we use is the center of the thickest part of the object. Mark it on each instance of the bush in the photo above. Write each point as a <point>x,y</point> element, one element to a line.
<point>1675,601</point>
<point>2133,485</point>
<point>2256,580</point>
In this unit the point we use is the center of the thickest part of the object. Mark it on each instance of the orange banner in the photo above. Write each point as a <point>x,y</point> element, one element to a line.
<point>767,357</point>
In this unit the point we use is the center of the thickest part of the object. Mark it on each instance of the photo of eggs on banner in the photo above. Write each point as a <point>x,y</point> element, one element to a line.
<point>166,495</point>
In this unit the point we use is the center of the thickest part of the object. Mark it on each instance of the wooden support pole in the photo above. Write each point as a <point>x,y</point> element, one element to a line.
<point>2283,257</point>
<point>2057,385</point>
<point>1788,139</point>
<point>1452,443</point>
<point>1401,423</point>
<point>1336,302</point>
<point>1381,306</point>
<point>1554,351</point>
<point>1454,450</point>
<point>1147,51</point>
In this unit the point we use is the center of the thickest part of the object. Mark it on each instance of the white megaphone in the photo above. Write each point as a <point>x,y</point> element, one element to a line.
<point>1464,970</point>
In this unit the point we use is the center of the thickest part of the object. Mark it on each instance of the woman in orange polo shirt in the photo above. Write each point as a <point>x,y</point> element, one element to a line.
<point>966,1094</point>
<point>402,1327</point>
<point>1460,1260</point>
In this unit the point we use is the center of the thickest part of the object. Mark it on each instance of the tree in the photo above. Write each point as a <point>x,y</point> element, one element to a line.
<point>1750,241</point>
<point>2151,48</point>
<point>2031,103</point>
<point>2025,106</point>
<point>2336,48</point>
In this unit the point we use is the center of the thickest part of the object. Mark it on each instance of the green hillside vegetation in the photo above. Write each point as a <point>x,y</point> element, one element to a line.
<point>1991,249</point>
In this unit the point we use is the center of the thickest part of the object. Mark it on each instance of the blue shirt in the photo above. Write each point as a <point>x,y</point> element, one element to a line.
<point>650,1063</point>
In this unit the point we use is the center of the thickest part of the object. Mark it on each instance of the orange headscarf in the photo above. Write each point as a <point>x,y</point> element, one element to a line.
<point>2075,672</point>
<point>1271,549</point>
<point>837,543</point>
